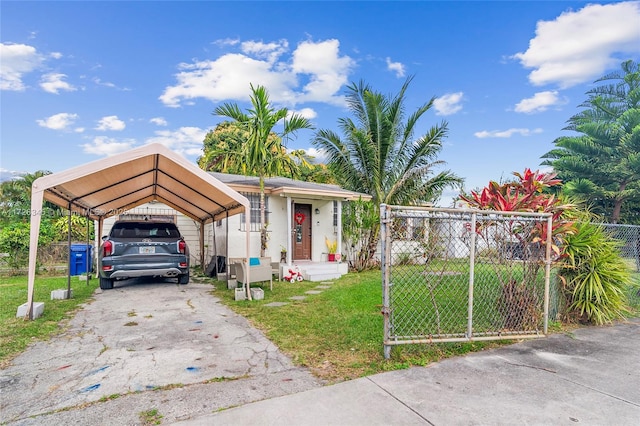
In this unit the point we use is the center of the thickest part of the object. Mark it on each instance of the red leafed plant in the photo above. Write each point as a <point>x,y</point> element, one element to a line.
<point>526,195</point>
<point>518,303</point>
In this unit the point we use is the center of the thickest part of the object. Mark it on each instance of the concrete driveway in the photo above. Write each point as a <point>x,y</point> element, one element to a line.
<point>138,337</point>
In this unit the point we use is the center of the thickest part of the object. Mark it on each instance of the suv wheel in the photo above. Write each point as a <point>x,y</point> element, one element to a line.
<point>183,279</point>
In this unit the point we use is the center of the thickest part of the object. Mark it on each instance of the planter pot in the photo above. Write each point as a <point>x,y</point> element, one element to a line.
<point>332,257</point>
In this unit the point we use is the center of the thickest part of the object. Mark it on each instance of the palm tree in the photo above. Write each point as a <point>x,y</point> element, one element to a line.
<point>379,155</point>
<point>602,163</point>
<point>15,196</point>
<point>262,154</point>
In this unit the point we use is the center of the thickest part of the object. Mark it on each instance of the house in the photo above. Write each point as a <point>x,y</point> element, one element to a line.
<point>300,216</point>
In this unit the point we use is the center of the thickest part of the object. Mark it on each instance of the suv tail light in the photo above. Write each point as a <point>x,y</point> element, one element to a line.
<point>107,248</point>
<point>182,246</point>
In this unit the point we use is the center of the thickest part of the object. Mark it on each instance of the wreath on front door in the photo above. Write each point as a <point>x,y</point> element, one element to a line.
<point>299,218</point>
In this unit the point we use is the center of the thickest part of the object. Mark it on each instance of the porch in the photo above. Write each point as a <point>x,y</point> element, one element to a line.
<point>310,271</point>
<point>315,271</point>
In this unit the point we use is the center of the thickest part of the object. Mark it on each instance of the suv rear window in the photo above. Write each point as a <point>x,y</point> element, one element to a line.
<point>144,230</point>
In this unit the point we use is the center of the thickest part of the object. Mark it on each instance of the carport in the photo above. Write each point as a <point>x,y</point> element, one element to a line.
<point>112,185</point>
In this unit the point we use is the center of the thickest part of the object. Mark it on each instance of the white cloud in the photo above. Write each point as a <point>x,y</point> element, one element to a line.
<point>55,55</point>
<point>319,155</point>
<point>54,82</point>
<point>396,67</point>
<point>60,121</point>
<point>17,60</point>
<point>506,133</point>
<point>104,146</point>
<point>448,104</point>
<point>308,113</point>
<point>228,77</point>
<point>326,69</point>
<point>158,121</point>
<point>227,42</point>
<point>99,82</point>
<point>269,51</point>
<point>580,46</point>
<point>111,122</point>
<point>541,101</point>
<point>9,174</point>
<point>185,140</point>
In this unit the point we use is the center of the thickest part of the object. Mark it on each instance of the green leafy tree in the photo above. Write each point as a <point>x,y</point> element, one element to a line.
<point>262,154</point>
<point>602,163</point>
<point>15,209</point>
<point>15,198</point>
<point>379,154</point>
<point>223,147</point>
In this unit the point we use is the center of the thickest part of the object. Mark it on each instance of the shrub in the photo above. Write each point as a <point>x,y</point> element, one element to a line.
<point>593,275</point>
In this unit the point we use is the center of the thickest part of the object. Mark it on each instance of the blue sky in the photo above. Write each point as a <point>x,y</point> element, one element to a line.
<point>82,80</point>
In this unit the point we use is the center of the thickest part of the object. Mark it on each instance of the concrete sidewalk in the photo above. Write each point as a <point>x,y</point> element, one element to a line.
<point>588,377</point>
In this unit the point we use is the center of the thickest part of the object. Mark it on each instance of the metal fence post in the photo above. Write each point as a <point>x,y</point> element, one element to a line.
<point>547,274</point>
<point>385,261</point>
<point>472,261</point>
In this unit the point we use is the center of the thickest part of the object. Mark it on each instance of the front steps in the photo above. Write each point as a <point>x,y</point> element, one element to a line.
<point>319,271</point>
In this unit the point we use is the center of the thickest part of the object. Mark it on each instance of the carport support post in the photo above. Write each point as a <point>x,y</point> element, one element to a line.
<point>69,251</point>
<point>88,269</point>
<point>202,245</point>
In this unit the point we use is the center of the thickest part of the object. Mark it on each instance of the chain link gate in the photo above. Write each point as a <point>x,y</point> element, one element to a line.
<point>459,274</point>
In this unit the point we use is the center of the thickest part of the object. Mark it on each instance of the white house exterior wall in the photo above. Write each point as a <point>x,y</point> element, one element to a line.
<point>322,226</point>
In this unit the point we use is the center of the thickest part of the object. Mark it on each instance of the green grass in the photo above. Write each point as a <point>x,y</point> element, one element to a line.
<point>17,333</point>
<point>337,333</point>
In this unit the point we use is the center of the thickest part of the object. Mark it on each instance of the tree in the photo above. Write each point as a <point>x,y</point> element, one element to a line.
<point>15,197</point>
<point>262,154</point>
<point>378,154</point>
<point>602,163</point>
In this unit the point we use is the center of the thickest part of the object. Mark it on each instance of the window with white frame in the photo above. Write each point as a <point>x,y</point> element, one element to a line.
<point>335,213</point>
<point>254,214</point>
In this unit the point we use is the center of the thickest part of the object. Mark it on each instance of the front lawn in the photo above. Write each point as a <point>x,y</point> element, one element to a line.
<point>17,333</point>
<point>337,333</point>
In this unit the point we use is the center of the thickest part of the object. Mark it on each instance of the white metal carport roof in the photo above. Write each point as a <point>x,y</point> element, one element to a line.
<point>115,184</point>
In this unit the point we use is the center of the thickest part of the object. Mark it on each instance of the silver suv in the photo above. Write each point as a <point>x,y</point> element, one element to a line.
<point>143,248</point>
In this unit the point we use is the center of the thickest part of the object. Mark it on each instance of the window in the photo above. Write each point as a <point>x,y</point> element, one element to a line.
<point>254,199</point>
<point>335,213</point>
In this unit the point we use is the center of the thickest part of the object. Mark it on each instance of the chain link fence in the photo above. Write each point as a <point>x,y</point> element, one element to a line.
<point>461,275</point>
<point>629,237</point>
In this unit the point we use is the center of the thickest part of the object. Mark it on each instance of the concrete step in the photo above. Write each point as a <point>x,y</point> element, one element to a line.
<point>316,277</point>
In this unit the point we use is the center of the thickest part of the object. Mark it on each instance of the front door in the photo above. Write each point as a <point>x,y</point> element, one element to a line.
<point>301,238</point>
